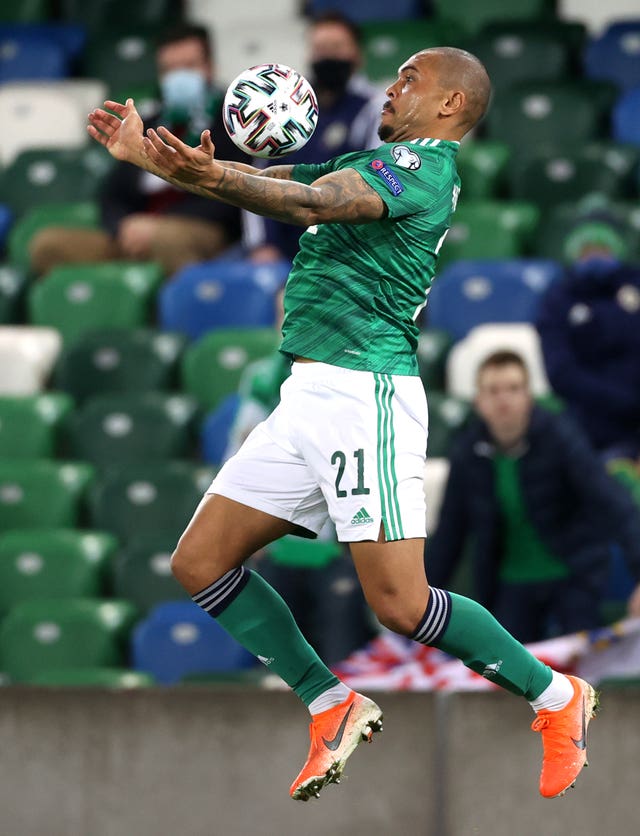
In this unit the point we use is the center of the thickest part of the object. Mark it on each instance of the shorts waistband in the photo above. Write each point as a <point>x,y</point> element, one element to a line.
<point>317,370</point>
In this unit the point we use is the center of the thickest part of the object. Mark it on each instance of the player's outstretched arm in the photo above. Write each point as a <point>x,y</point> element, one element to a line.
<point>341,196</point>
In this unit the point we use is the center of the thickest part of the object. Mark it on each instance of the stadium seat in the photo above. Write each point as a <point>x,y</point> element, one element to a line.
<point>27,356</point>
<point>473,16</point>
<point>119,360</point>
<point>554,178</point>
<point>467,354</point>
<point>214,433</point>
<point>489,229</point>
<point>388,43</point>
<point>221,294</point>
<point>178,638</point>
<point>101,14</point>
<point>572,34</point>
<point>625,117</point>
<point>38,636</point>
<point>364,10</point>
<point>13,283</point>
<point>42,494</point>
<point>30,425</point>
<point>30,58</point>
<point>83,298</point>
<point>242,46</point>
<point>124,60</point>
<point>71,37</point>
<point>436,473</point>
<point>24,11</point>
<point>534,117</point>
<point>212,366</point>
<point>120,428</point>
<point>513,57</point>
<point>447,415</point>
<point>470,293</point>
<point>614,55</point>
<point>53,563</point>
<point>433,346</point>
<point>52,175</point>
<point>133,499</point>
<point>142,571</point>
<point>296,552</point>
<point>27,108</point>
<point>6,219</point>
<point>58,214</point>
<point>115,678</point>
<point>482,166</point>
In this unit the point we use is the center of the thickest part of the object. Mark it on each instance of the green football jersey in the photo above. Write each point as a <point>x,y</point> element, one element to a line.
<point>355,290</point>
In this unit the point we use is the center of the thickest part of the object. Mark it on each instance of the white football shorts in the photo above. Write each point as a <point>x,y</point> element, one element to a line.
<point>342,444</point>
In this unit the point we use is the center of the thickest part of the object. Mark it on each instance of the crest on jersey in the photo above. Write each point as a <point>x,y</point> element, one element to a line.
<point>406,158</point>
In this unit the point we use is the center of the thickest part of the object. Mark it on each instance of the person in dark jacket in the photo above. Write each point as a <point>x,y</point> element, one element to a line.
<point>142,216</point>
<point>589,326</point>
<point>528,489</point>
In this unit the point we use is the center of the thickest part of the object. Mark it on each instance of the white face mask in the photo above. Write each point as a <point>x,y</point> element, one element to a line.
<point>184,91</point>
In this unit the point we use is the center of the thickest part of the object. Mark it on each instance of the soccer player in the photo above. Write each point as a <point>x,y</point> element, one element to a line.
<point>348,438</point>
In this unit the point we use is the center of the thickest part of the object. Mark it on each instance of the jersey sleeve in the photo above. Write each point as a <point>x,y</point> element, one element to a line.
<point>308,173</point>
<point>410,180</point>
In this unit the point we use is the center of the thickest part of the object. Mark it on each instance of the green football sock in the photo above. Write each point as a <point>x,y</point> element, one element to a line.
<point>464,628</point>
<point>261,622</point>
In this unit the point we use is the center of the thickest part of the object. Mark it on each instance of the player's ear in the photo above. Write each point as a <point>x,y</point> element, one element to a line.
<point>453,102</point>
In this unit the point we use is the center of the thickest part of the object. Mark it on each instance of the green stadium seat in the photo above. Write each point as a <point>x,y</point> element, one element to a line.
<point>123,60</point>
<point>42,494</point>
<point>212,366</point>
<point>102,14</point>
<point>388,44</point>
<point>24,11</point>
<point>116,678</point>
<point>53,214</point>
<point>535,117</point>
<point>13,283</point>
<point>482,166</point>
<point>119,360</point>
<point>53,563</point>
<point>29,426</point>
<point>151,426</point>
<point>48,635</point>
<point>447,415</point>
<point>473,15</point>
<point>139,499</point>
<point>299,553</point>
<point>79,299</point>
<point>53,175</point>
<point>142,572</point>
<point>433,347</point>
<point>490,229</point>
<point>571,34</point>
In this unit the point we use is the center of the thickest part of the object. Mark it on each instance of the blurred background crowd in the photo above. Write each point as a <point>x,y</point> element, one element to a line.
<point>139,324</point>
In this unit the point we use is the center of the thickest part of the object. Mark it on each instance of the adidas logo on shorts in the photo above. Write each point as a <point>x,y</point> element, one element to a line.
<point>362,517</point>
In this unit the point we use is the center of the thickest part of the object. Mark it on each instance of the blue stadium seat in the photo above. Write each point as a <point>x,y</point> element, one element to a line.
<point>27,58</point>
<point>220,294</point>
<point>6,217</point>
<point>365,10</point>
<point>214,435</point>
<point>470,293</point>
<point>178,639</point>
<point>72,37</point>
<point>615,54</point>
<point>625,118</point>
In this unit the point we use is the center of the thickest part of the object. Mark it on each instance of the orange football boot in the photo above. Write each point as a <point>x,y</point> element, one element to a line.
<point>335,733</point>
<point>564,739</point>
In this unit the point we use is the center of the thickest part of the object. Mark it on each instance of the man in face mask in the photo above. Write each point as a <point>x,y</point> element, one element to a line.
<point>589,325</point>
<point>144,217</point>
<point>348,121</point>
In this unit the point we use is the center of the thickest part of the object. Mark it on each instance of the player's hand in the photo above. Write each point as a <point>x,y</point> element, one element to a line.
<point>179,161</point>
<point>121,134</point>
<point>633,605</point>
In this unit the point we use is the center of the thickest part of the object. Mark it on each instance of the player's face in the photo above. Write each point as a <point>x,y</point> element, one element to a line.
<point>413,101</point>
<point>503,399</point>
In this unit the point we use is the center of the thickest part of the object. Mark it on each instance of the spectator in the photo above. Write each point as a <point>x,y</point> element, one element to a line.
<point>348,121</point>
<point>143,217</point>
<point>542,511</point>
<point>589,325</point>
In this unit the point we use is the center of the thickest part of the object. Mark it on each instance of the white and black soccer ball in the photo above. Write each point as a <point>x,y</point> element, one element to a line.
<point>270,110</point>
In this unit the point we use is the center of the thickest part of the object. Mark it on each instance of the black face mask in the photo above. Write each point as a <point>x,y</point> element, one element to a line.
<point>332,74</point>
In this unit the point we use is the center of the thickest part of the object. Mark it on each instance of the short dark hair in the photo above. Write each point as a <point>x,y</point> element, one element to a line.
<point>499,359</point>
<point>335,16</point>
<point>184,32</point>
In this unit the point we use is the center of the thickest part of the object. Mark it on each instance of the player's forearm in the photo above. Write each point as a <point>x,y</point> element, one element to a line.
<point>278,172</point>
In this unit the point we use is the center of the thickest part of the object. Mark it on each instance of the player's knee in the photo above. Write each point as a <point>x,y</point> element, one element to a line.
<point>192,568</point>
<point>394,614</point>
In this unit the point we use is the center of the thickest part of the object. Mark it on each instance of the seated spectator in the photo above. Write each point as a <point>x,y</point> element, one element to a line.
<point>143,217</point>
<point>528,490</point>
<point>348,120</point>
<point>589,325</point>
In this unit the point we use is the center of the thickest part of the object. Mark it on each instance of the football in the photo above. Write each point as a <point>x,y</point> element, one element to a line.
<point>270,110</point>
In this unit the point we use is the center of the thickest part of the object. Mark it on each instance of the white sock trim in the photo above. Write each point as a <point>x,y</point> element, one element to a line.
<point>330,698</point>
<point>555,696</point>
